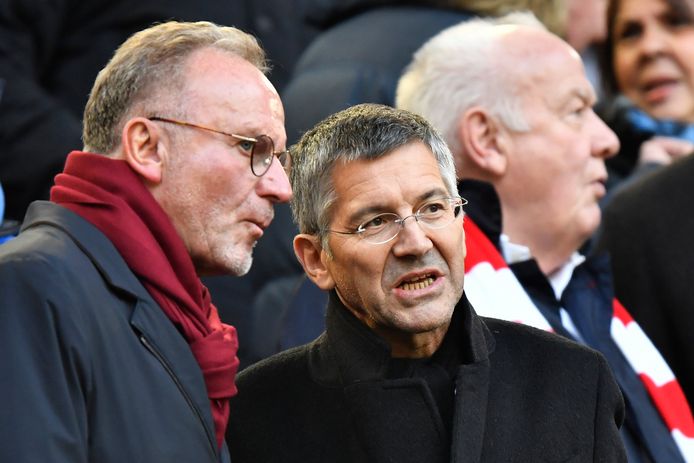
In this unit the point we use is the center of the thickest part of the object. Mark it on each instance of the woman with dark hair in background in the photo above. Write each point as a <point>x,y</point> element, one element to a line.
<point>648,70</point>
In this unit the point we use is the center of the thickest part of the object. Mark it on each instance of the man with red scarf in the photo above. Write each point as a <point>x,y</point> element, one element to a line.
<point>531,153</point>
<point>111,348</point>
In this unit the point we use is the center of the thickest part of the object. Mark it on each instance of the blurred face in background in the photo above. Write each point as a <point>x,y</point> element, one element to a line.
<point>653,56</point>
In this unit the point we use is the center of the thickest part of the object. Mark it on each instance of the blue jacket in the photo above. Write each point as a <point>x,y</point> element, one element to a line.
<point>92,369</point>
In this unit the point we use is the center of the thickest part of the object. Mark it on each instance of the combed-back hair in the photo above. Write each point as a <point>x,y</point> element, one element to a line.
<point>366,131</point>
<point>461,67</point>
<point>148,69</point>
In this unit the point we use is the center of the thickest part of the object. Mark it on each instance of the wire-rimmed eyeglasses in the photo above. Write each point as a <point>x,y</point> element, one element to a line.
<point>434,214</point>
<point>261,148</point>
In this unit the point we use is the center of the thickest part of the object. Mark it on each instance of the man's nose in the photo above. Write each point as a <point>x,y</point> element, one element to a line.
<point>274,185</point>
<point>604,143</point>
<point>412,238</point>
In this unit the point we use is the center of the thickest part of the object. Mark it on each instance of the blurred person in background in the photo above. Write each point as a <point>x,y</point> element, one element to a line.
<point>647,229</point>
<point>648,68</point>
<point>50,53</point>
<point>648,226</point>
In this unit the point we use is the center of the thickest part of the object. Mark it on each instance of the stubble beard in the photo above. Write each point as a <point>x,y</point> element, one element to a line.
<point>238,261</point>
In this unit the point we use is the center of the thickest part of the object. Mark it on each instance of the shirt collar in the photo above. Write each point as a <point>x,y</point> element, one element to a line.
<point>559,279</point>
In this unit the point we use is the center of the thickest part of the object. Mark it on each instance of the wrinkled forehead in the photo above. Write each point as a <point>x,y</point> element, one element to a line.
<point>406,176</point>
<point>549,70</point>
<point>230,92</point>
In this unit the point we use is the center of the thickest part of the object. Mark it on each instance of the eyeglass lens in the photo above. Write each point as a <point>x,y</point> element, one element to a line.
<point>263,154</point>
<point>432,215</point>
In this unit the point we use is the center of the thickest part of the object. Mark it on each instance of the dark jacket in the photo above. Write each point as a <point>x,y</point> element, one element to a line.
<point>51,52</point>
<point>520,395</point>
<point>648,230</point>
<point>633,127</point>
<point>92,369</point>
<point>358,60</point>
<point>616,116</point>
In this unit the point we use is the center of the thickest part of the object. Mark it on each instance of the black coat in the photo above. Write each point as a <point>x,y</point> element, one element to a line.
<point>521,395</point>
<point>92,369</point>
<point>648,229</point>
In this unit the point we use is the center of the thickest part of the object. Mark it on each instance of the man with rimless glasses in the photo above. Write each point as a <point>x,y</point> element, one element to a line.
<point>405,370</point>
<point>110,348</point>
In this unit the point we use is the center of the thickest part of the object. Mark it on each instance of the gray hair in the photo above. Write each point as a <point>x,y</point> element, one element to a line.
<point>366,131</point>
<point>459,68</point>
<point>148,68</point>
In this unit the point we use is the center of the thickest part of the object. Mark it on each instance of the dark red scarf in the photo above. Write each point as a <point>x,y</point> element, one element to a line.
<point>111,196</point>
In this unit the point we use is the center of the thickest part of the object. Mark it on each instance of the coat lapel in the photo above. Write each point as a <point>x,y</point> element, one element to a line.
<point>469,419</point>
<point>156,332</point>
<point>398,419</point>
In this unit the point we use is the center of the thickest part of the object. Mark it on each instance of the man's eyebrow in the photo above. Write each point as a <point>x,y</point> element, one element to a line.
<point>437,192</point>
<point>586,95</point>
<point>378,208</point>
<point>372,209</point>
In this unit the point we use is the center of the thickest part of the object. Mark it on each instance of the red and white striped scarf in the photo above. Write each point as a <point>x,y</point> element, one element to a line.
<point>494,291</point>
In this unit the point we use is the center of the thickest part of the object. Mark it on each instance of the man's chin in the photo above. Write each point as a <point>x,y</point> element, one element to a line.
<point>240,266</point>
<point>234,265</point>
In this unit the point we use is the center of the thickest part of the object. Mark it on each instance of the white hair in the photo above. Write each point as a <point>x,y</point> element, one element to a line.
<point>462,67</point>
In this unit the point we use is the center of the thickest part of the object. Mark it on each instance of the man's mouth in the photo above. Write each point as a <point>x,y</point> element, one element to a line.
<point>420,282</point>
<point>263,221</point>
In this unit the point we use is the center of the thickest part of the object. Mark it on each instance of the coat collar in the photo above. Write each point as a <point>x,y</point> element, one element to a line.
<point>350,352</point>
<point>349,356</point>
<point>90,240</point>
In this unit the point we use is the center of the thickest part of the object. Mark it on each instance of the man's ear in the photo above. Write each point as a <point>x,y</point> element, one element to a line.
<point>484,140</point>
<point>314,260</point>
<point>142,148</point>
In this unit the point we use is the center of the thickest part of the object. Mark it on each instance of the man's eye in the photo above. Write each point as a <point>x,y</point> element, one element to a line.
<point>246,145</point>
<point>577,111</point>
<point>377,222</point>
<point>432,208</point>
